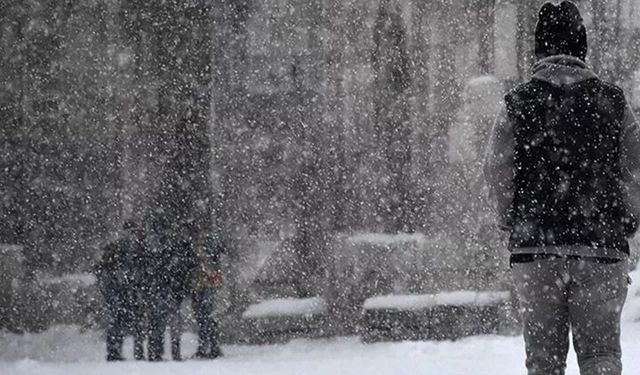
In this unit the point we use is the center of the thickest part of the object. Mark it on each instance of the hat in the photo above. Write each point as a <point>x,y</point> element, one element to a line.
<point>129,224</point>
<point>560,31</point>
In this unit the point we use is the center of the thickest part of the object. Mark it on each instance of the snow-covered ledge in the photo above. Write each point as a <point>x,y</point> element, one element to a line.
<point>425,301</point>
<point>387,239</point>
<point>286,307</point>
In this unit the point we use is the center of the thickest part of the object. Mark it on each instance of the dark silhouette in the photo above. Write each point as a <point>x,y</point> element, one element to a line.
<point>119,282</point>
<point>171,266</point>
<point>207,278</point>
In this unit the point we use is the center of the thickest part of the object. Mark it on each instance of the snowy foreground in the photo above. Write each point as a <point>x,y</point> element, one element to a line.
<point>67,350</point>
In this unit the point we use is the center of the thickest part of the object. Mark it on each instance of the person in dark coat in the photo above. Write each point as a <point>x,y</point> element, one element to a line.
<point>208,277</point>
<point>563,168</point>
<point>138,292</point>
<point>116,278</point>
<point>170,269</point>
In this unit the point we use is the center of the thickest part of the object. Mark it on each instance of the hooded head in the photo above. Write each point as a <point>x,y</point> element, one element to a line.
<point>560,31</point>
<point>129,225</point>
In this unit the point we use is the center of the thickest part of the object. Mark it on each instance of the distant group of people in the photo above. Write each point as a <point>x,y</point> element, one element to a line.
<point>146,274</point>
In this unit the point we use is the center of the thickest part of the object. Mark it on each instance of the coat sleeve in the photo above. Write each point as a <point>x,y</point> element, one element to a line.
<point>498,168</point>
<point>630,162</point>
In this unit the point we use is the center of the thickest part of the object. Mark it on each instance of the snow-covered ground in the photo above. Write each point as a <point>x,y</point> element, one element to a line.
<point>67,350</point>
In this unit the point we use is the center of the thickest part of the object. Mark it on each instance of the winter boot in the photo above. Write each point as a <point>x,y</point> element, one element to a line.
<point>114,358</point>
<point>215,352</point>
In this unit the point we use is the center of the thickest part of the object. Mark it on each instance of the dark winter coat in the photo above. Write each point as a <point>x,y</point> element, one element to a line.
<point>171,263</point>
<point>181,267</point>
<point>208,273</point>
<point>564,162</point>
<point>119,275</point>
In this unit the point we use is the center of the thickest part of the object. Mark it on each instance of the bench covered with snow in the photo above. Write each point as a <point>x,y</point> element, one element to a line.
<point>285,318</point>
<point>442,316</point>
<point>286,307</point>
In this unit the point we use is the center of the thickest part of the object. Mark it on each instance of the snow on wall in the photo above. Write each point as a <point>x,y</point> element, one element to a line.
<point>79,279</point>
<point>423,301</point>
<point>286,307</point>
<point>370,264</point>
<point>387,239</point>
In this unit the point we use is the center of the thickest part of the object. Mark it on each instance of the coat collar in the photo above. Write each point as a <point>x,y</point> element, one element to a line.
<point>562,70</point>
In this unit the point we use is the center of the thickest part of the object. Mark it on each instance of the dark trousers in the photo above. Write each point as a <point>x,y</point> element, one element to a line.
<point>117,326</point>
<point>115,338</point>
<point>203,303</point>
<point>559,295</point>
<point>157,326</point>
<point>165,312</point>
<point>175,331</point>
<point>139,332</point>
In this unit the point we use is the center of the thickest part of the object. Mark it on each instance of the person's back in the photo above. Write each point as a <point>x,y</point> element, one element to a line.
<point>563,167</point>
<point>206,279</point>
<point>170,265</point>
<point>111,274</point>
<point>138,290</point>
<point>114,280</point>
<point>567,129</point>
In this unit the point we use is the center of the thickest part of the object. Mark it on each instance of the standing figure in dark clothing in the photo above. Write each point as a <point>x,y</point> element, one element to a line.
<point>170,270</point>
<point>181,267</point>
<point>564,170</point>
<point>117,281</point>
<point>138,292</point>
<point>207,278</point>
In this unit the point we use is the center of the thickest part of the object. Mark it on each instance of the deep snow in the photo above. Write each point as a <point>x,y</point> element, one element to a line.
<point>67,350</point>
